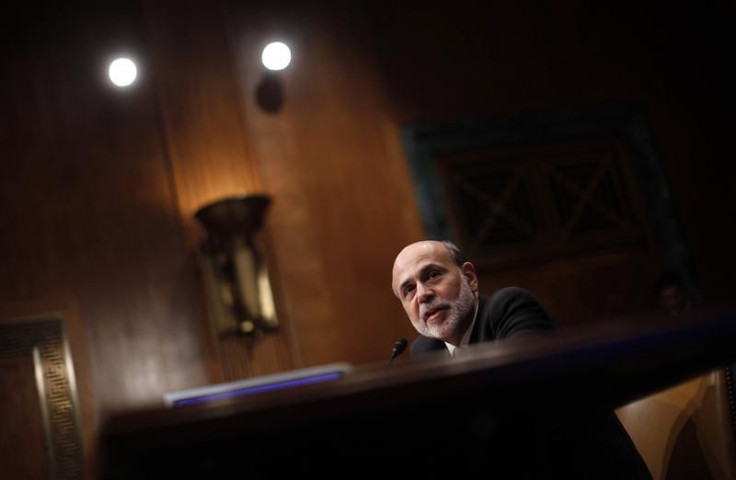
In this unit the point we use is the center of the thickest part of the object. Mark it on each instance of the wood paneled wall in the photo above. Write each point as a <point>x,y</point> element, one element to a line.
<point>99,185</point>
<point>343,204</point>
<point>90,223</point>
<point>22,438</point>
<point>207,147</point>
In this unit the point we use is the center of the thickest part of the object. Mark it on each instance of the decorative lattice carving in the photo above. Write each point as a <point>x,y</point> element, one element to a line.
<point>539,198</point>
<point>586,192</point>
<point>46,335</point>
<point>493,205</point>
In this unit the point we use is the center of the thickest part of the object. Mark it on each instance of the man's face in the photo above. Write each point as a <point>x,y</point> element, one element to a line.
<point>438,296</point>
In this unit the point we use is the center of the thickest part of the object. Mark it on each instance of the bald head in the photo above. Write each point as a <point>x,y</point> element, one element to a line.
<point>416,252</point>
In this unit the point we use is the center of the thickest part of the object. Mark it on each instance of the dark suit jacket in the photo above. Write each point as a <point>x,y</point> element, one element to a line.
<point>577,443</point>
<point>509,313</point>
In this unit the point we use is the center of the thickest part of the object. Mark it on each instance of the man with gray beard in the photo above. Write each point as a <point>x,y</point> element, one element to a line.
<point>438,288</point>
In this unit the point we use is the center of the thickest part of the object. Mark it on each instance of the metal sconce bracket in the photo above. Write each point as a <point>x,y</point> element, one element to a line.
<point>236,275</point>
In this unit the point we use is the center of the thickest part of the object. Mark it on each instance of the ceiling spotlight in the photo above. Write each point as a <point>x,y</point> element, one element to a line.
<point>276,56</point>
<point>122,72</point>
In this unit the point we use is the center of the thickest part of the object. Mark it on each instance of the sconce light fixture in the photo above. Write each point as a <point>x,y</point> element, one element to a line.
<point>234,266</point>
<point>122,72</point>
<point>276,57</point>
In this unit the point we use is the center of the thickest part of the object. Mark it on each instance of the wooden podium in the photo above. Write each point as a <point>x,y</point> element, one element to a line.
<point>438,418</point>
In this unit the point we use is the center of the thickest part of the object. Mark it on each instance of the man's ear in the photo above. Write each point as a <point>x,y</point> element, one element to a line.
<point>469,273</point>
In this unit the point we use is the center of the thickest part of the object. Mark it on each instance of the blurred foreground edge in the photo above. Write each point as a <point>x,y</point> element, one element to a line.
<point>367,414</point>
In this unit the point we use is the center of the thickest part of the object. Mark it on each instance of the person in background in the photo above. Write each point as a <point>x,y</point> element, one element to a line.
<point>673,297</point>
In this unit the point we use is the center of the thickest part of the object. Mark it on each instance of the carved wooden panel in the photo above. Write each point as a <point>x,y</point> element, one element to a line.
<point>42,341</point>
<point>585,189</point>
<point>492,202</point>
<point>540,200</point>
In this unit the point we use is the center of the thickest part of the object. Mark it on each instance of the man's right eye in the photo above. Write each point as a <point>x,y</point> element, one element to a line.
<point>408,289</point>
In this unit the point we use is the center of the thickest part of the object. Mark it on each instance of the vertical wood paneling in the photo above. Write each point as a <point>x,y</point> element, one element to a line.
<point>207,142</point>
<point>88,216</point>
<point>22,438</point>
<point>344,205</point>
<point>199,101</point>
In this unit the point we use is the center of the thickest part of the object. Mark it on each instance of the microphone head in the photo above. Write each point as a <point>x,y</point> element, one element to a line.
<point>399,346</point>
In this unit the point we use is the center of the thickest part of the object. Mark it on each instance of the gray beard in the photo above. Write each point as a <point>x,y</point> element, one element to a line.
<point>457,318</point>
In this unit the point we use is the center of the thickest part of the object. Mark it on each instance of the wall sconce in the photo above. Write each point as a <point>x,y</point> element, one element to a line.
<point>276,57</point>
<point>270,93</point>
<point>234,266</point>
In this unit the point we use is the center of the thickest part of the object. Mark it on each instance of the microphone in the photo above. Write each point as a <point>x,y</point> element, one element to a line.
<point>399,347</point>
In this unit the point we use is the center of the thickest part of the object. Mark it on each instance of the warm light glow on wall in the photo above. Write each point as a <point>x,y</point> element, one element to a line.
<point>276,56</point>
<point>122,72</point>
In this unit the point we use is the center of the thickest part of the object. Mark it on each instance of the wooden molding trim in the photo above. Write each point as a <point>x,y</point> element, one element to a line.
<point>44,338</point>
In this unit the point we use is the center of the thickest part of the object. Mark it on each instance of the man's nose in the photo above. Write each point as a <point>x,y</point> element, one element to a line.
<point>424,294</point>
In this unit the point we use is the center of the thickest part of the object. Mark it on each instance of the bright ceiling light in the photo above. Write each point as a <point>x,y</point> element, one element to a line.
<point>122,72</point>
<point>276,56</point>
